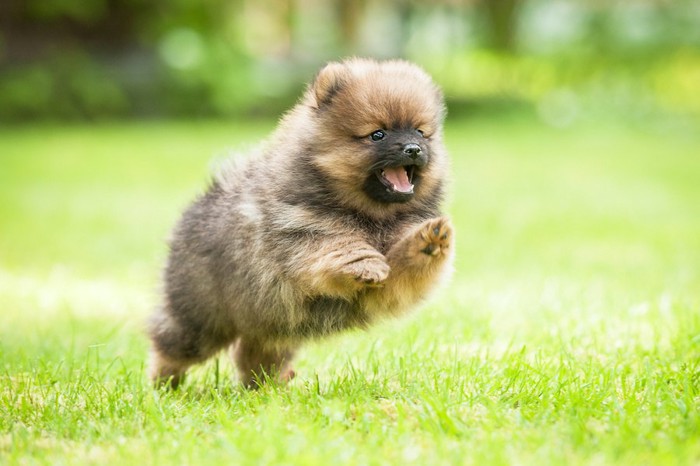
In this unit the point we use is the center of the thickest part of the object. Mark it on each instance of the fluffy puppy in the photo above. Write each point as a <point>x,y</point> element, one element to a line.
<point>332,224</point>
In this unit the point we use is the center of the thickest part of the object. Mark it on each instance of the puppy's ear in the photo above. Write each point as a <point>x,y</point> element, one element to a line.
<point>329,81</point>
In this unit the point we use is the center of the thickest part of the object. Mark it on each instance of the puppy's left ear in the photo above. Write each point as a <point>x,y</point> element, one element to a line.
<point>328,82</point>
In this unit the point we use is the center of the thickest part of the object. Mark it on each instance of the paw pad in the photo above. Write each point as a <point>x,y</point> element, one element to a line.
<point>436,237</point>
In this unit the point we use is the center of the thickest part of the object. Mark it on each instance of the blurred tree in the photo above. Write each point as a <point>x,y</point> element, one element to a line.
<point>501,19</point>
<point>349,14</point>
<point>34,28</point>
<point>86,59</point>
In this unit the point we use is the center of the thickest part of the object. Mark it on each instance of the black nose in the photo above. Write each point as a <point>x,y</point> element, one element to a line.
<point>412,150</point>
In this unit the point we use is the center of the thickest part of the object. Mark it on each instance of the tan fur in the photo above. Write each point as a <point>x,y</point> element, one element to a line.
<point>299,241</point>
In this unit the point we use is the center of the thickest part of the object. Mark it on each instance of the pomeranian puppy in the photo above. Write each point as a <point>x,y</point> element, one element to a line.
<point>332,224</point>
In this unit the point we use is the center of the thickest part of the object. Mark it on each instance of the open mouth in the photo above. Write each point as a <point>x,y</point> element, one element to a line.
<point>397,179</point>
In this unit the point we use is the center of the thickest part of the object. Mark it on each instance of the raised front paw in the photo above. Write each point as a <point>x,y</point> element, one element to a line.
<point>435,237</point>
<point>371,271</point>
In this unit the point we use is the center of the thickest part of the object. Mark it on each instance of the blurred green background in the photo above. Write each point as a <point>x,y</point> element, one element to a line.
<point>569,334</point>
<point>564,60</point>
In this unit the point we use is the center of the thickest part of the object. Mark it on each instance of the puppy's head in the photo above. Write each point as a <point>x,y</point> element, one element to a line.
<point>377,130</point>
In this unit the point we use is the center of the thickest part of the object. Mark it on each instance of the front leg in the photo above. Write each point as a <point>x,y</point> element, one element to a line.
<point>339,267</point>
<point>418,260</point>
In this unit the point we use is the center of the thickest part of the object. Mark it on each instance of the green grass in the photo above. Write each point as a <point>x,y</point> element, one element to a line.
<point>570,333</point>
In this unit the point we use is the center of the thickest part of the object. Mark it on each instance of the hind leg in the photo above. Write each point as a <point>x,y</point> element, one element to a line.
<point>257,362</point>
<point>176,347</point>
<point>165,371</point>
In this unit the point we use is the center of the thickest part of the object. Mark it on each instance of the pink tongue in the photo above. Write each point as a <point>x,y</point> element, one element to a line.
<point>399,178</point>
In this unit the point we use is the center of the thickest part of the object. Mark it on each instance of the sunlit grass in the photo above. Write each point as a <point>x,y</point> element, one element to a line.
<point>570,333</point>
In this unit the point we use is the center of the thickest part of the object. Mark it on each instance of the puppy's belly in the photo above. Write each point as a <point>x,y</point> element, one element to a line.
<point>317,317</point>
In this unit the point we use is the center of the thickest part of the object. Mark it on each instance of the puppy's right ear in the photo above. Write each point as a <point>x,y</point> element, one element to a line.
<point>329,81</point>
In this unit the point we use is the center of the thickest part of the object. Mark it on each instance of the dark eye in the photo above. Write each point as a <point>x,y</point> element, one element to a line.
<point>377,135</point>
<point>420,131</point>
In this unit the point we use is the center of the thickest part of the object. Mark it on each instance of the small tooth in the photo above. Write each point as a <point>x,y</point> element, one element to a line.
<point>393,186</point>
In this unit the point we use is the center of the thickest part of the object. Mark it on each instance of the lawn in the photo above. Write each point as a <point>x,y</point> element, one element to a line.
<point>569,334</point>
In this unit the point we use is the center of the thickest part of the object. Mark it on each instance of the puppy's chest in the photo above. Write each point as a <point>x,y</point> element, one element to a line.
<point>381,237</point>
